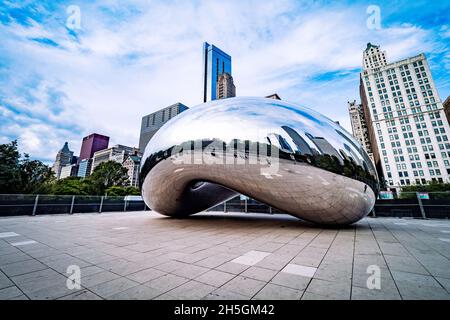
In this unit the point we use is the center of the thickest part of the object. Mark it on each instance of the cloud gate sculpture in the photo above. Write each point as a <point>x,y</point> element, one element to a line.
<point>287,156</point>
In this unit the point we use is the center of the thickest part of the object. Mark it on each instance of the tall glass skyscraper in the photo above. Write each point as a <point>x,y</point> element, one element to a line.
<point>215,62</point>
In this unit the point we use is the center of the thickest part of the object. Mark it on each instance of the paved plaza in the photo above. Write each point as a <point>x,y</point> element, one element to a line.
<point>143,255</point>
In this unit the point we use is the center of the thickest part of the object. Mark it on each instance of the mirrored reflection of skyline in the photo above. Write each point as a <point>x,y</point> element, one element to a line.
<point>299,134</point>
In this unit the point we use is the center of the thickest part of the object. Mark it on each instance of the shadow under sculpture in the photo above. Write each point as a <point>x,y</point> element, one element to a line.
<point>287,156</point>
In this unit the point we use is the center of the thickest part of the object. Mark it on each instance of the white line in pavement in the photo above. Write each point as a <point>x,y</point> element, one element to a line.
<point>433,224</point>
<point>444,239</point>
<point>8,234</point>
<point>251,258</point>
<point>23,243</point>
<point>120,228</point>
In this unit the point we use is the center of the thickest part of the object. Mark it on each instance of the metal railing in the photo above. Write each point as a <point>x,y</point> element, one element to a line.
<point>27,204</point>
<point>407,204</point>
<point>414,204</point>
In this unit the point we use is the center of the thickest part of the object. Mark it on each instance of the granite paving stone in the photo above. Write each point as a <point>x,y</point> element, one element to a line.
<point>215,278</point>
<point>276,292</point>
<point>244,286</point>
<point>146,275</point>
<point>166,282</point>
<point>191,290</point>
<point>216,255</point>
<point>10,293</point>
<point>259,273</point>
<point>113,287</point>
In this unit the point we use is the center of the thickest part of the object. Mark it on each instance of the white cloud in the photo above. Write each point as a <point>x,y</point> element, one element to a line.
<point>122,68</point>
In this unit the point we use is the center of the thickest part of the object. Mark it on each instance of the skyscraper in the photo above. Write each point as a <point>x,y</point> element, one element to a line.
<point>225,86</point>
<point>406,122</point>
<point>153,121</point>
<point>373,57</point>
<point>84,168</point>
<point>63,158</point>
<point>446,105</point>
<point>131,163</point>
<point>215,62</point>
<point>359,126</point>
<point>92,143</point>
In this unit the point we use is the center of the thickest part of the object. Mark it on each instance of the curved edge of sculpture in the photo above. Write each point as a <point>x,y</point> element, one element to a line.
<point>287,156</point>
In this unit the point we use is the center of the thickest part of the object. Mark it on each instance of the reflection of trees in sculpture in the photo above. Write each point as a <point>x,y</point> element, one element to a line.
<point>244,149</point>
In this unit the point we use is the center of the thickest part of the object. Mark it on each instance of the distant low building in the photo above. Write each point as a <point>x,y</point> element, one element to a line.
<point>132,163</point>
<point>151,123</point>
<point>70,170</point>
<point>116,153</point>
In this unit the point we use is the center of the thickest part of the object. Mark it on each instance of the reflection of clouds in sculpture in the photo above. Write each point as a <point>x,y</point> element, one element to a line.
<point>305,142</point>
<point>262,116</point>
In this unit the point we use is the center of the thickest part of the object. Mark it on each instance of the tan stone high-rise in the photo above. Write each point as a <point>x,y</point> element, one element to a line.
<point>225,86</point>
<point>359,126</point>
<point>63,158</point>
<point>446,105</point>
<point>373,57</point>
<point>405,118</point>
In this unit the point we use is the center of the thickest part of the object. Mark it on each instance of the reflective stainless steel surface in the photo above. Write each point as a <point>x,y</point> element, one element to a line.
<point>287,156</point>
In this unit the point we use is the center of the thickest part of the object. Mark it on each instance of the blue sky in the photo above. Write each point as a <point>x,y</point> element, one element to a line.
<point>130,58</point>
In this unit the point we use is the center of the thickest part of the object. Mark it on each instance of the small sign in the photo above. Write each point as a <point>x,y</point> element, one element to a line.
<point>386,195</point>
<point>424,196</point>
<point>133,198</point>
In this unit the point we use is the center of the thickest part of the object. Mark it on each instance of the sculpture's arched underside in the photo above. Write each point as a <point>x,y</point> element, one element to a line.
<point>287,156</point>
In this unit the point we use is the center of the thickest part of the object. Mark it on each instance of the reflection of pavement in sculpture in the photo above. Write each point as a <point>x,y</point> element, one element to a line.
<point>284,155</point>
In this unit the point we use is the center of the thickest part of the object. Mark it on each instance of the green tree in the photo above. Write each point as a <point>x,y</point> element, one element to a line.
<point>22,175</point>
<point>70,186</point>
<point>106,175</point>
<point>35,176</point>
<point>123,191</point>
<point>9,168</point>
